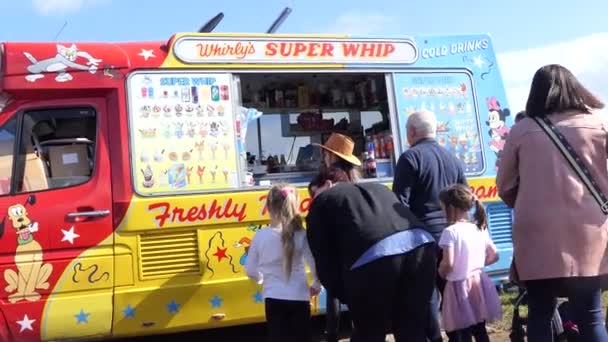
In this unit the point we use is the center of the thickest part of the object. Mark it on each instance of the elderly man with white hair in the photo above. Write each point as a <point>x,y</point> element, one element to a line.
<point>421,173</point>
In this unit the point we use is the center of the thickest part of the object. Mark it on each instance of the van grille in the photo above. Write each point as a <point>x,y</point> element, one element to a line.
<point>500,220</point>
<point>169,254</point>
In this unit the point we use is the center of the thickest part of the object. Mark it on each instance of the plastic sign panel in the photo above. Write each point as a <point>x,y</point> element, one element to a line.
<point>201,50</point>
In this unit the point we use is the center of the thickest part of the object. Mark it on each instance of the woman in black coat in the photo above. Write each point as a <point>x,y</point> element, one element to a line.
<point>371,253</point>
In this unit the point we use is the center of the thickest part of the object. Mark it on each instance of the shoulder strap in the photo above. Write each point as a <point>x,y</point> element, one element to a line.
<point>573,159</point>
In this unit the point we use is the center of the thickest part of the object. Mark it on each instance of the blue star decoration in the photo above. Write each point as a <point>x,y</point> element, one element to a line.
<point>82,317</point>
<point>173,307</point>
<point>257,297</point>
<point>129,311</point>
<point>216,301</point>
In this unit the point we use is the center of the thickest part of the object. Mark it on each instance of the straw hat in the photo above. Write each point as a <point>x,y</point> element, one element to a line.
<point>342,146</point>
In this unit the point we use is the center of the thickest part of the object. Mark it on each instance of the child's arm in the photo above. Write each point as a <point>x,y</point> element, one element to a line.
<point>252,265</point>
<point>447,261</point>
<point>491,254</point>
<point>446,242</point>
<point>315,287</point>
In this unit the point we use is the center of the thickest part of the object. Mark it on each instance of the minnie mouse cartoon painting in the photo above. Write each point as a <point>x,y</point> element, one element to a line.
<point>498,130</point>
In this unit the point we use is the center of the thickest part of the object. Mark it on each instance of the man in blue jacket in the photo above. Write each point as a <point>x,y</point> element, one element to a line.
<point>421,173</point>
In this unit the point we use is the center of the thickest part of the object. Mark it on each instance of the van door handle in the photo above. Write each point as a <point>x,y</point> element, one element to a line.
<point>85,214</point>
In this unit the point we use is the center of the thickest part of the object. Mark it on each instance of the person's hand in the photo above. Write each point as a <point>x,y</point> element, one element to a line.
<point>314,291</point>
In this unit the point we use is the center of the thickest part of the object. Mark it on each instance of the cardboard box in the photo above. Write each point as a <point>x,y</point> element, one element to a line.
<point>34,178</point>
<point>69,160</point>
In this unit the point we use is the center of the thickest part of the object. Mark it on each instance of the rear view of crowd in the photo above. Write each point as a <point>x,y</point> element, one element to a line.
<point>409,261</point>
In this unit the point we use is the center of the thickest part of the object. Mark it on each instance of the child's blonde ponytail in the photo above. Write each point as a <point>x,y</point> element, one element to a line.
<point>283,205</point>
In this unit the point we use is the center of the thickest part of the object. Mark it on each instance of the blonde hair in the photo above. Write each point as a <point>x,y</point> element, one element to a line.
<point>282,204</point>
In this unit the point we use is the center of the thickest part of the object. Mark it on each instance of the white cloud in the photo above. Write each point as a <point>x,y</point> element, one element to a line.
<point>63,6</point>
<point>361,23</point>
<point>586,57</point>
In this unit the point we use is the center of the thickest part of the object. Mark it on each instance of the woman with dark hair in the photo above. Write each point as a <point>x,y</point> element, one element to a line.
<point>560,232</point>
<point>338,151</point>
<point>371,253</point>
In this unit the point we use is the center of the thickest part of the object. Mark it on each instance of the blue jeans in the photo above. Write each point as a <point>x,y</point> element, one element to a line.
<point>585,297</point>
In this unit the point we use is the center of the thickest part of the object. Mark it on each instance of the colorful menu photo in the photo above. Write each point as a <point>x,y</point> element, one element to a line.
<point>182,132</point>
<point>450,96</point>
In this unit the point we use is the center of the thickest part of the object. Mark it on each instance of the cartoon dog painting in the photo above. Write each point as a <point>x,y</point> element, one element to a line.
<point>32,273</point>
<point>64,59</point>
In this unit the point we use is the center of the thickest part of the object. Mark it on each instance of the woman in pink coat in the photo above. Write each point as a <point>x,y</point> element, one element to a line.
<point>560,233</point>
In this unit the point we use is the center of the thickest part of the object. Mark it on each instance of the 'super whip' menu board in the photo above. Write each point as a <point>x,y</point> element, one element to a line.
<point>450,96</point>
<point>182,132</point>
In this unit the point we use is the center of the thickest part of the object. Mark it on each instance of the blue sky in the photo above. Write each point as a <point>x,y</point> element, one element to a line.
<point>514,24</point>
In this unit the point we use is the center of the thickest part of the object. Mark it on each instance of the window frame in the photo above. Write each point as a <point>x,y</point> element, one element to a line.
<point>18,162</point>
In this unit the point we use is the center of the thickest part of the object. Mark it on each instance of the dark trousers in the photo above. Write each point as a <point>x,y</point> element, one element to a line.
<point>584,297</point>
<point>433,326</point>
<point>477,331</point>
<point>288,320</point>
<point>332,318</point>
<point>392,294</point>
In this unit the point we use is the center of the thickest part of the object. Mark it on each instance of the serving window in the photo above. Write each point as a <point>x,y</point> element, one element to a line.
<point>305,108</point>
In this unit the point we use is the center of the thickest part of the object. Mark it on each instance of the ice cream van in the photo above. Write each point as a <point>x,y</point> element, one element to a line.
<point>134,175</point>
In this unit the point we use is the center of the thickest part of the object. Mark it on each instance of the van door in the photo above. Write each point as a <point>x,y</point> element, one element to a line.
<point>56,201</point>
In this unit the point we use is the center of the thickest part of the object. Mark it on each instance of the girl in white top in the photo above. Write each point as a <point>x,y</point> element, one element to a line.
<point>469,298</point>
<point>276,259</point>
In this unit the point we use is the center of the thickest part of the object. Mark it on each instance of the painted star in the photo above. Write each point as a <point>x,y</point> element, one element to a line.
<point>26,324</point>
<point>257,297</point>
<point>220,254</point>
<point>216,301</point>
<point>478,61</point>
<point>82,317</point>
<point>69,235</point>
<point>129,311</point>
<point>147,54</point>
<point>173,307</point>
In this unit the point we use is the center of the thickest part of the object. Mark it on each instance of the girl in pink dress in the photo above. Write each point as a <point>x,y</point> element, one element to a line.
<point>470,298</point>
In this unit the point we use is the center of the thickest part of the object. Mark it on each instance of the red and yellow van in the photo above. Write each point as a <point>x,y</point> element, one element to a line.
<point>133,175</point>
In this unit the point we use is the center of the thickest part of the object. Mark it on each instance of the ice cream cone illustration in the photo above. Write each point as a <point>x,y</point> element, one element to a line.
<point>200,171</point>
<point>164,178</point>
<point>213,173</point>
<point>189,174</point>
<point>158,156</point>
<point>203,129</point>
<point>214,146</point>
<point>200,147</point>
<point>225,172</point>
<point>226,147</point>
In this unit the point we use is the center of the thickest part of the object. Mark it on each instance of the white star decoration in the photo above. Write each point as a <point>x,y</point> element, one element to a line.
<point>147,54</point>
<point>69,235</point>
<point>26,324</point>
<point>478,61</point>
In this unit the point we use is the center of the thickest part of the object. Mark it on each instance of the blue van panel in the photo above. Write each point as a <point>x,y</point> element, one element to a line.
<point>500,220</point>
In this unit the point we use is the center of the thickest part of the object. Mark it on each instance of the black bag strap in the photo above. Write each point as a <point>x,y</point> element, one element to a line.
<point>573,159</point>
